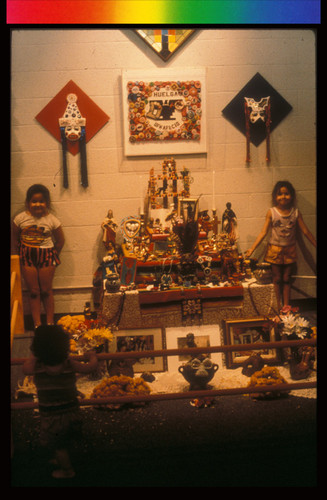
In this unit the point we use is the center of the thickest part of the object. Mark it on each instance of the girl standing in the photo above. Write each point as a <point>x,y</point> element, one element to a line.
<point>38,238</point>
<point>283,219</point>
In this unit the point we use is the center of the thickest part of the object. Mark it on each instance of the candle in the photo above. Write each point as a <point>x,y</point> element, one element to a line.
<point>213,191</point>
<point>141,197</point>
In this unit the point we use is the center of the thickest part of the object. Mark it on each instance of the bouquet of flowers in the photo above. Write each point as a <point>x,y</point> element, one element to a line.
<point>291,325</point>
<point>295,326</point>
<point>85,334</point>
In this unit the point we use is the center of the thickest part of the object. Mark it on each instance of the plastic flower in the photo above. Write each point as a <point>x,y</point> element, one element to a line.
<point>294,324</point>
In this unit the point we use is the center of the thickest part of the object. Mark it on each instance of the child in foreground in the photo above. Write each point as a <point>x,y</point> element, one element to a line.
<point>55,379</point>
<point>284,220</point>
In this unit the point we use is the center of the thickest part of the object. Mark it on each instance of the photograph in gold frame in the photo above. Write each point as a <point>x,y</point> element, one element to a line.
<point>250,331</point>
<point>165,42</point>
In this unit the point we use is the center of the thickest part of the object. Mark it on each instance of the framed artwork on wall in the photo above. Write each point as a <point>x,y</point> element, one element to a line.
<point>164,42</point>
<point>164,111</point>
<point>250,331</point>
<point>256,110</point>
<point>145,339</point>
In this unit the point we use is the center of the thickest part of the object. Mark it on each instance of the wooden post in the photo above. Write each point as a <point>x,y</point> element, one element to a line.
<point>16,299</point>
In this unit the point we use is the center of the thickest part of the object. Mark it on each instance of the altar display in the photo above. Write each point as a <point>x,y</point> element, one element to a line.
<point>176,263</point>
<point>179,266</point>
<point>172,251</point>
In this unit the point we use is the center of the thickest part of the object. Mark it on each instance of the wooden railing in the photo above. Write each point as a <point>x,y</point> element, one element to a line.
<point>16,299</point>
<point>187,394</point>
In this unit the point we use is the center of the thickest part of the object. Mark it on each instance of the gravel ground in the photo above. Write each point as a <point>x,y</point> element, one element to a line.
<point>236,442</point>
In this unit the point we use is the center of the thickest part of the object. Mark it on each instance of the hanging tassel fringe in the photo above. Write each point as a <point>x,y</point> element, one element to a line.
<point>268,121</point>
<point>64,157</point>
<point>82,150</point>
<point>247,131</point>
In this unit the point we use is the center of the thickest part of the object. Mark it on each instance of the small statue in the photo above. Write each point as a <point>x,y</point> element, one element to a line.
<point>109,227</point>
<point>190,342</point>
<point>229,223</point>
<point>110,274</point>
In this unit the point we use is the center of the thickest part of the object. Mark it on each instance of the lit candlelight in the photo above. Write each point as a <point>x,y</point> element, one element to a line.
<point>213,191</point>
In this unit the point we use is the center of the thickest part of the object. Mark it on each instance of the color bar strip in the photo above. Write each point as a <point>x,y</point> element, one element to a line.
<point>163,11</point>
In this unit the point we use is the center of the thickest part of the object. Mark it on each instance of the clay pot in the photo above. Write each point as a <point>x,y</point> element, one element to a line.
<point>198,372</point>
<point>263,273</point>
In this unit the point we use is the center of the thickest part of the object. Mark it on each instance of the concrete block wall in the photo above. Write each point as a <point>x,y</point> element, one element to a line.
<point>44,60</point>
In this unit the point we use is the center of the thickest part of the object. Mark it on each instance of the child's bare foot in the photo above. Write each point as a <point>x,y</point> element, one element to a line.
<point>63,473</point>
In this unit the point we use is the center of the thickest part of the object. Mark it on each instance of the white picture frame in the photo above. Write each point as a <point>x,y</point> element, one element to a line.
<point>209,335</point>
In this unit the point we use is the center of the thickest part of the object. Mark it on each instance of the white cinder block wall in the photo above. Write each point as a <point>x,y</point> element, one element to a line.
<point>43,61</point>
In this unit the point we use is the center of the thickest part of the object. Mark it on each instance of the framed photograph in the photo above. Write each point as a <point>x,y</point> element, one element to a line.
<point>249,331</point>
<point>198,336</point>
<point>188,208</point>
<point>164,111</point>
<point>145,339</point>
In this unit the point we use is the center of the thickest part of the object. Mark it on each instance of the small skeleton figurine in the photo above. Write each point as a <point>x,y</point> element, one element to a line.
<point>72,128</point>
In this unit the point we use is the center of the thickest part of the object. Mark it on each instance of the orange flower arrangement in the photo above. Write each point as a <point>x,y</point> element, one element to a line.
<point>269,375</point>
<point>120,386</point>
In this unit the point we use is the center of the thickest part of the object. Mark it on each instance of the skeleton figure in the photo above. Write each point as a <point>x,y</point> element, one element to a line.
<point>72,128</point>
<point>260,110</point>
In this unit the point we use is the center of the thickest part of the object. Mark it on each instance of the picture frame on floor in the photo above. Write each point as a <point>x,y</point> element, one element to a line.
<point>203,336</point>
<point>143,339</point>
<point>250,331</point>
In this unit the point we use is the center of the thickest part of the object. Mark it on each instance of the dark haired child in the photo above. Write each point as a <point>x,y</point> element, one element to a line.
<point>54,374</point>
<point>283,219</point>
<point>38,238</point>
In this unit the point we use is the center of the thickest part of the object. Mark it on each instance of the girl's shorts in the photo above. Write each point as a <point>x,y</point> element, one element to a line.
<point>280,255</point>
<point>38,257</point>
<point>60,428</point>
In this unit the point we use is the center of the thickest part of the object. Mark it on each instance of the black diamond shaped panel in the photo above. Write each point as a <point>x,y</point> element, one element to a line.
<point>257,88</point>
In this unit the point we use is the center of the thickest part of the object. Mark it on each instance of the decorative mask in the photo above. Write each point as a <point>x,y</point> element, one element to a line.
<point>260,110</point>
<point>72,128</point>
<point>131,227</point>
<point>72,119</point>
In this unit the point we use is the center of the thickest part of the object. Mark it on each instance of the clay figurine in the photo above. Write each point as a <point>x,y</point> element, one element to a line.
<point>253,364</point>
